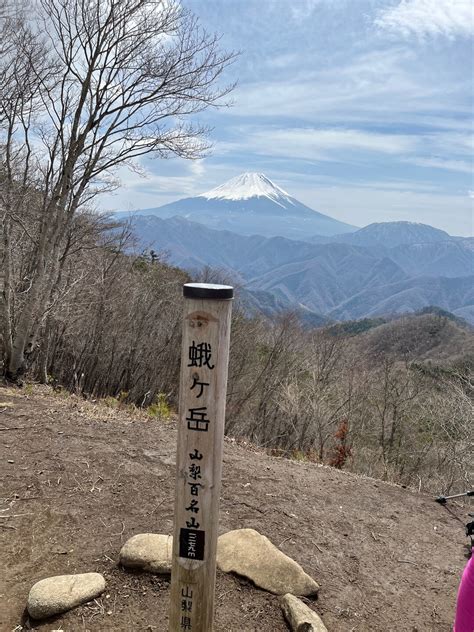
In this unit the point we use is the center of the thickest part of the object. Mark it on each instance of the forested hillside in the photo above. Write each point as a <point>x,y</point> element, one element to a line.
<point>87,88</point>
<point>387,398</point>
<point>81,310</point>
<point>394,267</point>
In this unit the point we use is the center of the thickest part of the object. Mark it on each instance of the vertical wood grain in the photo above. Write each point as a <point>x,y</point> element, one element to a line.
<point>203,383</point>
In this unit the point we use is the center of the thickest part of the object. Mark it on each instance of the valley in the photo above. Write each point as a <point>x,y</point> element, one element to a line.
<point>382,269</point>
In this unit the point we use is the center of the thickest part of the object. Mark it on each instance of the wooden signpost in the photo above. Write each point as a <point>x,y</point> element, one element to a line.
<point>203,383</point>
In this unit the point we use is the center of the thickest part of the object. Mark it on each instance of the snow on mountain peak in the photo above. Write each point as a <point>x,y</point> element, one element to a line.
<point>246,186</point>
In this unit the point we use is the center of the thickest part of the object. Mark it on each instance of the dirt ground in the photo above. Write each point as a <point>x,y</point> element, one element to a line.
<point>78,479</point>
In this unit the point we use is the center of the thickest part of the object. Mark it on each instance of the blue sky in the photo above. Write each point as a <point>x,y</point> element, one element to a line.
<point>361,109</point>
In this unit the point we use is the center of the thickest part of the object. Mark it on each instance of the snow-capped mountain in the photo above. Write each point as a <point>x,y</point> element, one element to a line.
<point>251,204</point>
<point>246,186</point>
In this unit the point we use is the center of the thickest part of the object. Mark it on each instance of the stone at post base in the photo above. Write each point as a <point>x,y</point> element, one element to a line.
<point>300,617</point>
<point>248,553</point>
<point>61,593</point>
<point>150,552</point>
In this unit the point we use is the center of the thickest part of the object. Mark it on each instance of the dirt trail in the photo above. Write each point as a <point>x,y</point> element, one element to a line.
<point>78,479</point>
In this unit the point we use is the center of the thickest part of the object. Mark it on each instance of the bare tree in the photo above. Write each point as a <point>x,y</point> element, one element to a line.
<point>17,104</point>
<point>109,81</point>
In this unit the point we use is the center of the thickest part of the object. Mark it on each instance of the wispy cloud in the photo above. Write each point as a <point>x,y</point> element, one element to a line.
<point>360,108</point>
<point>157,183</point>
<point>323,144</point>
<point>440,150</point>
<point>302,9</point>
<point>197,168</point>
<point>462,166</point>
<point>428,18</point>
<point>373,86</point>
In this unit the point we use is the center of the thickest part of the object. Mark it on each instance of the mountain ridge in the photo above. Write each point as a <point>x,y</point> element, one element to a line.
<point>251,204</point>
<point>396,232</point>
<point>284,255</point>
<point>323,279</point>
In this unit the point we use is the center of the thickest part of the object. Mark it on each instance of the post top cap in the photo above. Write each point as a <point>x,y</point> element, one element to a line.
<point>207,291</point>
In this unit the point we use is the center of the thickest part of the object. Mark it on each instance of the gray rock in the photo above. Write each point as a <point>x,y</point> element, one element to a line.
<point>150,552</point>
<point>54,595</point>
<point>248,553</point>
<point>299,616</point>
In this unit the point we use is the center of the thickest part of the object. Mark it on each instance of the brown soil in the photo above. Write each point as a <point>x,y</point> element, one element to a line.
<point>78,479</point>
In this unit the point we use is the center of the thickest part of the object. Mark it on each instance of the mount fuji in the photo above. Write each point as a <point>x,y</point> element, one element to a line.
<point>251,204</point>
<point>283,255</point>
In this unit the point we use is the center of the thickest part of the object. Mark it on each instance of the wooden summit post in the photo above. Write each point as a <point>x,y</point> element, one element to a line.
<point>203,383</point>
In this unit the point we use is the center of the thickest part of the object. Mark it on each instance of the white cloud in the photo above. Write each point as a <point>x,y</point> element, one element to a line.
<point>429,18</point>
<point>302,9</point>
<point>455,143</point>
<point>344,139</point>
<point>197,168</point>
<point>309,143</point>
<point>440,163</point>
<point>450,151</point>
<point>286,60</point>
<point>176,178</point>
<point>380,85</point>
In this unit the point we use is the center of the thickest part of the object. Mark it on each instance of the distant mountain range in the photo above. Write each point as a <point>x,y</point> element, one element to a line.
<point>382,269</point>
<point>251,204</point>
<point>334,280</point>
<point>393,233</point>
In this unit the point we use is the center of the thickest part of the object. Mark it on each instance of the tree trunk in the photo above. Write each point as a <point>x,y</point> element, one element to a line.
<point>5,292</point>
<point>46,275</point>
